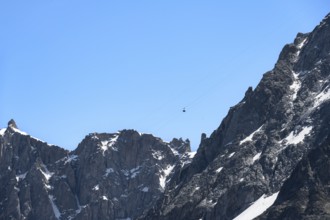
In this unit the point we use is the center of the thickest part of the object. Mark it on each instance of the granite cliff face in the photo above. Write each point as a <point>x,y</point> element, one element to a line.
<point>109,176</point>
<point>24,176</point>
<point>268,159</point>
<point>305,195</point>
<point>261,140</point>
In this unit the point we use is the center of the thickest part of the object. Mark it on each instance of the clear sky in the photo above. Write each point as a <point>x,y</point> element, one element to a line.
<point>72,67</point>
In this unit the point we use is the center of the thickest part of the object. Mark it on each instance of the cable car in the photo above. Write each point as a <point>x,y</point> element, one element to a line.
<point>184,110</point>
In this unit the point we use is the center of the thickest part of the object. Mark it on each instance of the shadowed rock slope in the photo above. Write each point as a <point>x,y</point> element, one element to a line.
<point>261,140</point>
<point>305,195</point>
<point>109,176</point>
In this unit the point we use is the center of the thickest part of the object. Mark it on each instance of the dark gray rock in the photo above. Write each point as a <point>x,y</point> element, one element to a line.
<point>261,140</point>
<point>109,176</point>
<point>12,123</point>
<point>128,170</point>
<point>24,176</point>
<point>306,194</point>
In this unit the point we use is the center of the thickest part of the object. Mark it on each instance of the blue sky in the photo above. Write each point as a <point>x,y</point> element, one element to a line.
<point>69,68</point>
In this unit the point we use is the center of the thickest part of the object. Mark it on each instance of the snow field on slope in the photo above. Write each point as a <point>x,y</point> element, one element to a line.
<point>162,178</point>
<point>249,138</point>
<point>322,97</point>
<point>105,145</point>
<point>295,86</point>
<point>256,157</point>
<point>257,208</point>
<point>2,131</point>
<point>55,208</point>
<point>297,138</point>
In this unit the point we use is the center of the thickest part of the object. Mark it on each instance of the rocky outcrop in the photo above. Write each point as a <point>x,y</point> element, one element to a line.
<point>109,176</point>
<point>261,140</point>
<point>305,195</point>
<point>26,166</point>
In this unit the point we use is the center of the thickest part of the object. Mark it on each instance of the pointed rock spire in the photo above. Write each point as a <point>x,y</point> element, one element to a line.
<point>12,124</point>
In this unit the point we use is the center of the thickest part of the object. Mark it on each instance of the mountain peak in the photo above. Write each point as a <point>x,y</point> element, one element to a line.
<point>12,124</point>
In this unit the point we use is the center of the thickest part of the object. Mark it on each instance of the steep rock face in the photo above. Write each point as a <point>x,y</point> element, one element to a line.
<point>305,195</point>
<point>24,175</point>
<point>261,140</point>
<point>133,168</point>
<point>109,176</point>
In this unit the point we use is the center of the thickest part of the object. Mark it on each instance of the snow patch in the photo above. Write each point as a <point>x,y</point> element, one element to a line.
<point>49,187</point>
<point>71,158</point>
<point>157,155</point>
<point>96,188</point>
<point>207,203</point>
<point>46,173</point>
<point>295,87</point>
<point>26,134</point>
<point>297,138</point>
<point>145,189</point>
<point>163,177</point>
<point>230,143</point>
<point>109,144</point>
<point>19,131</point>
<point>192,154</point>
<point>125,172</point>
<point>299,46</point>
<point>162,181</point>
<point>250,137</point>
<point>232,154</point>
<point>135,171</point>
<point>2,131</point>
<point>105,198</point>
<point>55,208</point>
<point>219,170</point>
<point>257,208</point>
<point>175,152</point>
<point>256,157</point>
<point>94,137</point>
<point>108,171</point>
<point>131,173</point>
<point>21,176</point>
<point>322,97</point>
<point>41,141</point>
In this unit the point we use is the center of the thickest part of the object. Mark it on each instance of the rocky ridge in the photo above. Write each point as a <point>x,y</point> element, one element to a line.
<point>109,176</point>
<point>261,140</point>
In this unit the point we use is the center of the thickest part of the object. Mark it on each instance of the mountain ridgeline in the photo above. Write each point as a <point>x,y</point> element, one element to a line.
<point>268,159</point>
<point>108,176</point>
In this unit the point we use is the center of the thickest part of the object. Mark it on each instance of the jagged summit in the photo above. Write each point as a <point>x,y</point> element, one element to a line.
<point>126,138</point>
<point>12,124</point>
<point>260,141</point>
<point>109,175</point>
